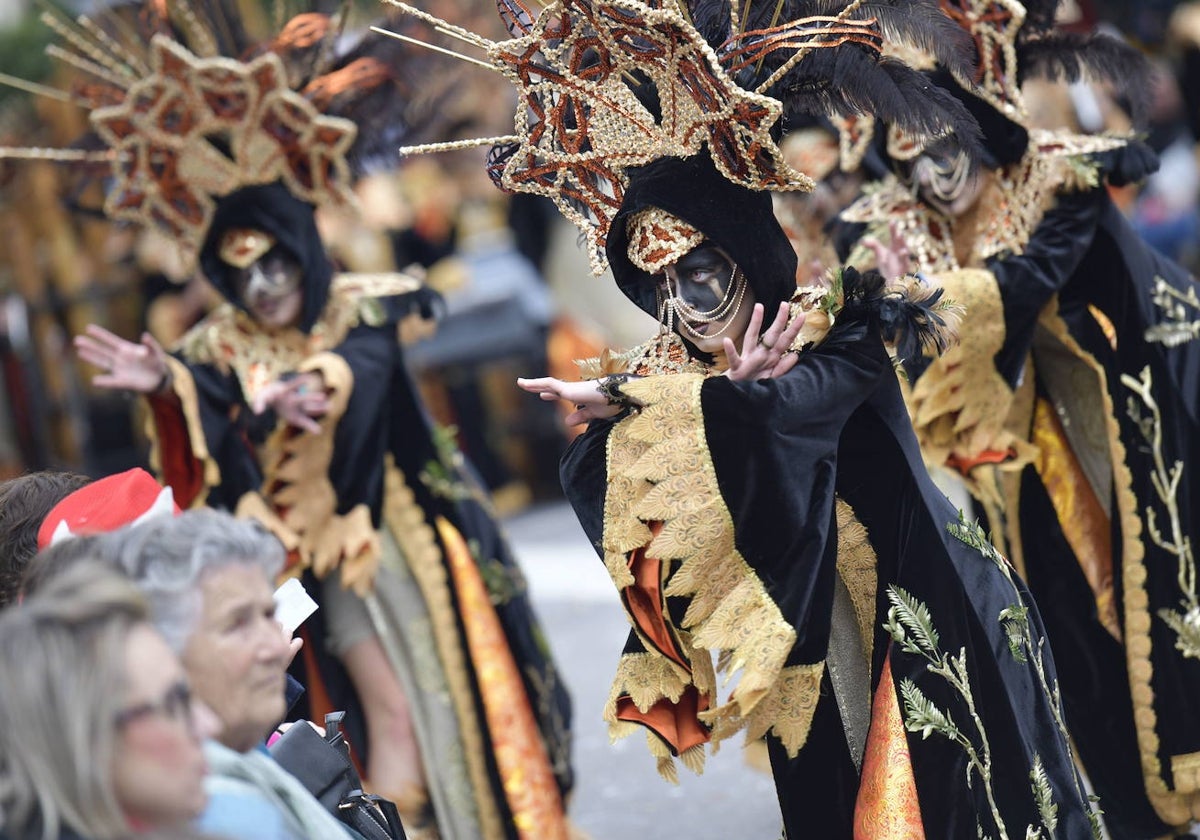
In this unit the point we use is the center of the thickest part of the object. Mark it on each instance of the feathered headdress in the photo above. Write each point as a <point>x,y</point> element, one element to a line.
<point>1013,42</point>
<point>605,86</point>
<point>185,106</point>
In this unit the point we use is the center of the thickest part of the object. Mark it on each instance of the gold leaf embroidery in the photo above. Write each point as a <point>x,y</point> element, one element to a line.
<point>660,470</point>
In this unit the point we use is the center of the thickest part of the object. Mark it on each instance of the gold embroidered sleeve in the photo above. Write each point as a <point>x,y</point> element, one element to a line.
<point>660,470</point>
<point>296,469</point>
<point>960,404</point>
<point>179,451</point>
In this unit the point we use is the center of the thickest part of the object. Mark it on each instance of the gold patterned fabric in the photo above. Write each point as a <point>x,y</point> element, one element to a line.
<point>1083,520</point>
<point>887,807</point>
<point>658,239</point>
<point>659,471</point>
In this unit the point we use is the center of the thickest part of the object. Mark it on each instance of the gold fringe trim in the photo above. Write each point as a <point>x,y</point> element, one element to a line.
<point>960,404</point>
<point>1174,807</point>
<point>659,469</point>
<point>646,678</point>
<point>417,540</point>
<point>184,386</point>
<point>788,708</point>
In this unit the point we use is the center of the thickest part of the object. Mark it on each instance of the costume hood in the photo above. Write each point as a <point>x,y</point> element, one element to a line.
<point>739,220</point>
<point>274,210</point>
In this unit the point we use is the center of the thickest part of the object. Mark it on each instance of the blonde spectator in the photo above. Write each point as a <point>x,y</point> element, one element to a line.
<point>101,740</point>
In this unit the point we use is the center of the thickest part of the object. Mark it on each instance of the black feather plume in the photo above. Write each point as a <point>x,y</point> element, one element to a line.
<point>1071,56</point>
<point>884,88</point>
<point>911,318</point>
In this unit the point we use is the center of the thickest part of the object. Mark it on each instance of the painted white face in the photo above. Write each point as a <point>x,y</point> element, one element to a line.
<point>947,185</point>
<point>270,289</point>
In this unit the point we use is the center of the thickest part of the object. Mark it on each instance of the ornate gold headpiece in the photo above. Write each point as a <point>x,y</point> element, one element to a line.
<point>994,26</point>
<point>608,85</point>
<point>182,124</point>
<point>658,239</point>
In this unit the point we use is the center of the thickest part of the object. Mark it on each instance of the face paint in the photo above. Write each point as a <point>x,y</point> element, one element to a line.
<point>702,292</point>
<point>701,278</point>
<point>270,290</point>
<point>946,183</point>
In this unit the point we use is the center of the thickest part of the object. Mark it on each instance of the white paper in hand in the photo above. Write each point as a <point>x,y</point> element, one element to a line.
<point>293,604</point>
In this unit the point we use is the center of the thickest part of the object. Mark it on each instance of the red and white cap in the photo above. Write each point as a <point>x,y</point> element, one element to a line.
<point>105,505</point>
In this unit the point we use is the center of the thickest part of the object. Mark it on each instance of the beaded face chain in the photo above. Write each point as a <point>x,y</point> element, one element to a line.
<point>946,180</point>
<point>672,307</point>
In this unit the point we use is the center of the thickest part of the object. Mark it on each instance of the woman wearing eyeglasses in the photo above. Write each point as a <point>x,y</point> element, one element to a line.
<point>208,577</point>
<point>99,739</point>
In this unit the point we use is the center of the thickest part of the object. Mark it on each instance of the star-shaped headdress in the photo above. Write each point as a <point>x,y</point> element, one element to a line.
<point>605,86</point>
<point>185,108</point>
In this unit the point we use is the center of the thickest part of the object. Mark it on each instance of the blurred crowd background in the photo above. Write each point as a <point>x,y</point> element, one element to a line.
<point>520,300</point>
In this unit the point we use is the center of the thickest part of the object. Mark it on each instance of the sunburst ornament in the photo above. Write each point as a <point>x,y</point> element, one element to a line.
<point>196,129</point>
<point>582,70</point>
<point>994,25</point>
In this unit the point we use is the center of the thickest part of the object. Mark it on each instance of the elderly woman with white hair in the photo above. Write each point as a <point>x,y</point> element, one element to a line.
<point>208,577</point>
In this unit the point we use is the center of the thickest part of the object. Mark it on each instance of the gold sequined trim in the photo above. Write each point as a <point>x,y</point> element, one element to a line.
<point>856,563</point>
<point>296,477</point>
<point>658,239</point>
<point>417,541</point>
<point>659,469</point>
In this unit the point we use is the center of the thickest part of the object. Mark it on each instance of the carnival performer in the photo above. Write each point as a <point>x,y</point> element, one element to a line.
<point>772,509</point>
<point>290,403</point>
<point>1071,412</point>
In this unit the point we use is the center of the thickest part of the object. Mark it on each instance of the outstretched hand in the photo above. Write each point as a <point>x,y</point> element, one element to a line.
<point>765,355</point>
<point>893,259</point>
<point>297,401</point>
<point>127,366</point>
<point>589,403</point>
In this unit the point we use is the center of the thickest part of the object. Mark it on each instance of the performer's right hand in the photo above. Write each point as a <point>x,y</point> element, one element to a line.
<point>127,366</point>
<point>299,401</point>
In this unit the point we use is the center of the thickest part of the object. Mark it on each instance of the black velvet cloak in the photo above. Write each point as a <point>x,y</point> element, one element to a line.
<point>1071,408</point>
<point>378,462</point>
<point>889,655</point>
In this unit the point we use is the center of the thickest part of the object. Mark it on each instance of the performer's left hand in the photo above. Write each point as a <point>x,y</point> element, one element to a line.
<point>765,355</point>
<point>892,259</point>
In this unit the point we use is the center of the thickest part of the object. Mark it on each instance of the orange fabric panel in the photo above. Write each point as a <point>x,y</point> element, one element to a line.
<point>676,723</point>
<point>887,807</point>
<point>1084,523</point>
<point>988,456</point>
<point>525,773</point>
<point>644,600</point>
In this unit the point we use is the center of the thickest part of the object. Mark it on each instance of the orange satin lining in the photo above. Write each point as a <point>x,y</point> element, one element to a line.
<point>524,767</point>
<point>988,456</point>
<point>677,722</point>
<point>644,600</point>
<point>1083,521</point>
<point>887,807</point>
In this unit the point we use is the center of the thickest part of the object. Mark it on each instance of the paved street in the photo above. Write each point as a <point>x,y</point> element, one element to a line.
<point>618,793</point>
